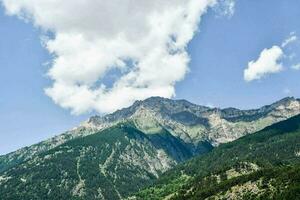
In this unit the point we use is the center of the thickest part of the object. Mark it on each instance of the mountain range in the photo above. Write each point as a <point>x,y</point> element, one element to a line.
<point>262,165</point>
<point>113,156</point>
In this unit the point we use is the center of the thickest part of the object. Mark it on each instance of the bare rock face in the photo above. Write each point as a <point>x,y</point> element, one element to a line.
<point>191,123</point>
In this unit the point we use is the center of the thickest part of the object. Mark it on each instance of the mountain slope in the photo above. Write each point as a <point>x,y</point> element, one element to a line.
<point>9,160</point>
<point>193,124</point>
<point>112,156</point>
<point>109,164</point>
<point>264,165</point>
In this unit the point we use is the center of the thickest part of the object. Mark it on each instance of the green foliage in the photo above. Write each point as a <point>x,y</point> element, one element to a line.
<point>273,149</point>
<point>109,164</point>
<point>278,183</point>
<point>113,164</point>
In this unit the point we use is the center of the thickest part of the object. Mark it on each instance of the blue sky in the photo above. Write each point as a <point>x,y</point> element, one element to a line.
<point>219,53</point>
<point>27,115</point>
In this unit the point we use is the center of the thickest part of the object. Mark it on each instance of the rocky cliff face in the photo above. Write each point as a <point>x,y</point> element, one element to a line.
<point>193,123</point>
<point>189,122</point>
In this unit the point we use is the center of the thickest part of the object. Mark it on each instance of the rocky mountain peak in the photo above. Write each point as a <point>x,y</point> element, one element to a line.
<point>159,105</point>
<point>285,102</point>
<point>193,123</point>
<point>167,107</point>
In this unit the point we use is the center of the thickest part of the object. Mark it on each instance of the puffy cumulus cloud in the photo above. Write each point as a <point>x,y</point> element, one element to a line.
<point>268,62</point>
<point>145,41</point>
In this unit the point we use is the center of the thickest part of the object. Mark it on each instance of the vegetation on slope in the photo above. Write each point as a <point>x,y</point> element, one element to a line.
<point>274,150</point>
<point>108,165</point>
<point>113,163</point>
<point>192,123</point>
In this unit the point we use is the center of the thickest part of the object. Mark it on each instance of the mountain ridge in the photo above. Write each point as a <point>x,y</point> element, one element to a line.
<point>263,165</point>
<point>204,124</point>
<point>111,157</point>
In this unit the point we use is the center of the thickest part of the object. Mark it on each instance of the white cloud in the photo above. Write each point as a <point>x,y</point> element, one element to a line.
<point>296,66</point>
<point>289,40</point>
<point>268,62</point>
<point>145,40</point>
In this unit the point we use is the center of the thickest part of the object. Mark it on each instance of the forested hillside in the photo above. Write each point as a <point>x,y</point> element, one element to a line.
<point>264,165</point>
<point>110,164</point>
<point>114,156</point>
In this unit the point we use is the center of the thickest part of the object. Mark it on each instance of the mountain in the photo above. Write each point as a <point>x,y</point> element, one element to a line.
<point>112,156</point>
<point>191,123</point>
<point>263,165</point>
<point>106,165</point>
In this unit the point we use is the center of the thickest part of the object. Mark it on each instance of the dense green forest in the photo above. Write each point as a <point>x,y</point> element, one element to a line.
<point>110,164</point>
<point>268,162</point>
